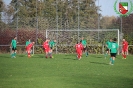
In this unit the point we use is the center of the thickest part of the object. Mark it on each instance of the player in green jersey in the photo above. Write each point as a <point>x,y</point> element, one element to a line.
<point>108,45</point>
<point>26,44</point>
<point>113,50</point>
<point>52,44</point>
<point>14,47</point>
<point>84,43</point>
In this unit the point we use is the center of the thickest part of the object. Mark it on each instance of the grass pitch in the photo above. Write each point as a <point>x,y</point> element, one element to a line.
<point>65,71</point>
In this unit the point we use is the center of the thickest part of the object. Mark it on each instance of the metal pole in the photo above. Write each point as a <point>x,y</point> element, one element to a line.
<point>78,19</point>
<point>118,41</point>
<point>46,35</point>
<point>121,24</point>
<point>17,21</point>
<point>56,24</point>
<point>98,20</point>
<point>36,23</point>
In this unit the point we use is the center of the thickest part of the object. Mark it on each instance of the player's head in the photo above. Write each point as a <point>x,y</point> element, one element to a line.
<point>110,39</point>
<point>29,40</point>
<point>82,38</point>
<point>80,41</point>
<point>15,38</point>
<point>114,39</point>
<point>123,40</point>
<point>54,40</point>
<point>47,40</point>
<point>33,42</point>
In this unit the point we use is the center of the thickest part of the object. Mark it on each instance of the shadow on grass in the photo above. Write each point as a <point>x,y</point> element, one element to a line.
<point>70,55</point>
<point>99,63</point>
<point>5,56</point>
<point>22,55</point>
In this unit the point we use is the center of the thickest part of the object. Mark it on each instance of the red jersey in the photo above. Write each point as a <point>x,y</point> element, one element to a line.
<point>124,44</point>
<point>30,46</point>
<point>79,47</point>
<point>45,45</point>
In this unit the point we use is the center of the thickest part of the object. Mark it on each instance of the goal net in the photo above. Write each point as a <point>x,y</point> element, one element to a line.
<point>96,39</point>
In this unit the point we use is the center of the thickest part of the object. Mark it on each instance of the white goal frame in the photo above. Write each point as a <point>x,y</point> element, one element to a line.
<point>93,30</point>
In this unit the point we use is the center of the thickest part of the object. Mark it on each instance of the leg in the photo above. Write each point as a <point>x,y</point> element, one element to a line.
<point>124,53</point>
<point>86,52</point>
<point>110,60</point>
<point>12,54</point>
<point>107,51</point>
<point>28,53</point>
<point>50,53</point>
<point>113,60</point>
<point>15,53</point>
<point>111,55</point>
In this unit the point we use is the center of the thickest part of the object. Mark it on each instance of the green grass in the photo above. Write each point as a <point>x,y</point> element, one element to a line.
<point>65,71</point>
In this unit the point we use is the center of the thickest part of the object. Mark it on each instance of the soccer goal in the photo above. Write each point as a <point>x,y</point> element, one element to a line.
<point>96,39</point>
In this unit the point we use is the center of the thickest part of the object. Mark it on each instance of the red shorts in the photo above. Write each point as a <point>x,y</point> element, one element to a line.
<point>79,52</point>
<point>46,50</point>
<point>124,50</point>
<point>28,49</point>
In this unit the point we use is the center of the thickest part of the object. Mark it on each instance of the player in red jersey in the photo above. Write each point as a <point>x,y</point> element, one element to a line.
<point>79,48</point>
<point>28,48</point>
<point>46,48</point>
<point>124,48</point>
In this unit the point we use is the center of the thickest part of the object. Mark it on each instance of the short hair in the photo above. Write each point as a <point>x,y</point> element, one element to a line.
<point>15,36</point>
<point>115,39</point>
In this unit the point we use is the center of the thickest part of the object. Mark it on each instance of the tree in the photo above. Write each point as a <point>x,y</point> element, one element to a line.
<point>47,11</point>
<point>106,22</point>
<point>2,9</point>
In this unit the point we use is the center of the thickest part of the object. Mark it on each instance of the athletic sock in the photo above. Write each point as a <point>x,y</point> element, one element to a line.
<point>110,59</point>
<point>113,61</point>
<point>14,53</point>
<point>28,53</point>
<point>86,53</point>
<point>51,54</point>
<point>125,56</point>
<point>105,54</point>
<point>78,56</point>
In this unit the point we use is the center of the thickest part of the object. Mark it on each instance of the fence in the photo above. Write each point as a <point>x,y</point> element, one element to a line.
<point>73,15</point>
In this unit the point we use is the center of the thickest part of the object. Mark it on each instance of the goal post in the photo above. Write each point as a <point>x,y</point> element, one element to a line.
<point>96,39</point>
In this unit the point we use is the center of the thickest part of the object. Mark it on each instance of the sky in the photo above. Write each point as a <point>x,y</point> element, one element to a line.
<point>107,6</point>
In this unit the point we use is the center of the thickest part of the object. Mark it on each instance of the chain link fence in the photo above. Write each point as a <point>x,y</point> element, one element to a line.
<point>35,29</point>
